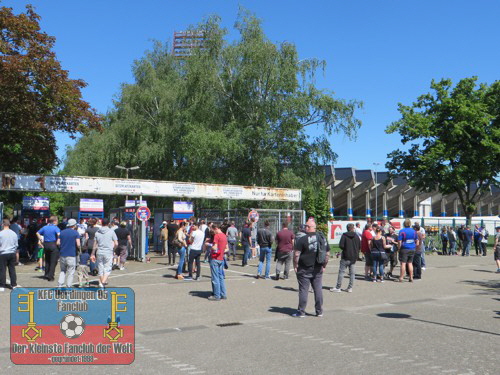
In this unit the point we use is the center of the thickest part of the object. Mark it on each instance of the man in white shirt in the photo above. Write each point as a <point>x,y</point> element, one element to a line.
<point>197,239</point>
<point>422,237</point>
<point>203,227</point>
<point>484,240</point>
<point>358,230</point>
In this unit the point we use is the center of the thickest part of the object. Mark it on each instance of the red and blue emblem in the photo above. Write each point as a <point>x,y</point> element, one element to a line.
<point>72,326</point>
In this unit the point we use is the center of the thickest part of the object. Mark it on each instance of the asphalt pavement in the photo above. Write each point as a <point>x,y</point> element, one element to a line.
<point>446,323</point>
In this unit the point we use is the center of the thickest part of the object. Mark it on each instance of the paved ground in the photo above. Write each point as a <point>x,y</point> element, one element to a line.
<point>448,323</point>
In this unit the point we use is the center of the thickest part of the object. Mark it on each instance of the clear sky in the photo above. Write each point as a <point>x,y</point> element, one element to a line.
<point>381,52</point>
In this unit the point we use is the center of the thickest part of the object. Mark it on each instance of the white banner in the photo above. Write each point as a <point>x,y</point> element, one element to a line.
<point>132,203</point>
<point>183,207</point>
<point>338,227</point>
<point>99,185</point>
<point>91,205</point>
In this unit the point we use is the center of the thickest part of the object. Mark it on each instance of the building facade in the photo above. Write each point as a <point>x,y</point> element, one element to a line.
<point>365,193</point>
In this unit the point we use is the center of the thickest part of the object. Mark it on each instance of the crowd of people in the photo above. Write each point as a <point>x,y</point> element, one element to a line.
<point>87,248</point>
<point>463,238</point>
<point>97,247</point>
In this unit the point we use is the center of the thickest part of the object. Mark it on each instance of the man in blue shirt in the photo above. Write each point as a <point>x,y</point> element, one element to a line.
<point>70,242</point>
<point>49,236</point>
<point>407,243</point>
<point>468,235</point>
<point>477,239</point>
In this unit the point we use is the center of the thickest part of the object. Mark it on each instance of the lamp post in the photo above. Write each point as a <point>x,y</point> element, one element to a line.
<point>376,190</point>
<point>126,175</point>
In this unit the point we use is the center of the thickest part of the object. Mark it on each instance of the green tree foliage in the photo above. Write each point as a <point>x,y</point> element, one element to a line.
<point>315,203</point>
<point>36,96</point>
<point>236,113</point>
<point>455,140</point>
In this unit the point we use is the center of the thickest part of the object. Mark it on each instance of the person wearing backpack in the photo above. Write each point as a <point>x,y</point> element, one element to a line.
<point>452,238</point>
<point>444,240</point>
<point>310,259</point>
<point>350,245</point>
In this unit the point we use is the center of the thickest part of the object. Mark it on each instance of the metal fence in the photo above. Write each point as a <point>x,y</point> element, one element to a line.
<point>276,217</point>
<point>433,228</point>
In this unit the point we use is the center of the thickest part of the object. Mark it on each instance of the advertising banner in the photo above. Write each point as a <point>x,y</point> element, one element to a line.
<point>336,228</point>
<point>133,203</point>
<point>98,185</point>
<point>36,203</point>
<point>183,210</point>
<point>91,205</point>
<point>72,326</point>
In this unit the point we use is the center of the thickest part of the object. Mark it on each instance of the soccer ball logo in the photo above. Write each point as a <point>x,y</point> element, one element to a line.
<point>72,326</point>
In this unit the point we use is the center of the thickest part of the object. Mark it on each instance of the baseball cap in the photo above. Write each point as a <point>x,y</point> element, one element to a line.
<point>71,222</point>
<point>164,222</point>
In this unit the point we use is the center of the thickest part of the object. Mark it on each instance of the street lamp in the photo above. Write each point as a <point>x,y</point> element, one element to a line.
<point>127,169</point>
<point>376,190</point>
<point>126,174</point>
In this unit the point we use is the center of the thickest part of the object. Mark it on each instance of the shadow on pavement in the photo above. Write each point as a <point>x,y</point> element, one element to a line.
<point>394,315</point>
<point>282,310</point>
<point>489,287</point>
<point>287,288</point>
<point>200,293</point>
<point>487,271</point>
<point>406,316</point>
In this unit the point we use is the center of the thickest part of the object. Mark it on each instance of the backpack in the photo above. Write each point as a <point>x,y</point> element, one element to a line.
<point>323,249</point>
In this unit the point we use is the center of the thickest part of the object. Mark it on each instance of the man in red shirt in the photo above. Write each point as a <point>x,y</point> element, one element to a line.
<point>284,250</point>
<point>219,248</point>
<point>365,249</point>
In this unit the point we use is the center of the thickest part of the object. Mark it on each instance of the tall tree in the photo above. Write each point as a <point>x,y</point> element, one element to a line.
<point>241,113</point>
<point>36,96</point>
<point>455,140</point>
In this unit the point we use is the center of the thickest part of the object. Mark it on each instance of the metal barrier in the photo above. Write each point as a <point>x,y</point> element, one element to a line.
<point>239,216</point>
<point>433,228</point>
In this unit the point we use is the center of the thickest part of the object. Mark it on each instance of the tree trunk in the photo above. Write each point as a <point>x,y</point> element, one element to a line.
<point>468,217</point>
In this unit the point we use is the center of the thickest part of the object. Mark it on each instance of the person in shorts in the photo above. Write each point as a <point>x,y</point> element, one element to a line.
<point>496,246</point>
<point>104,245</point>
<point>124,240</point>
<point>82,268</point>
<point>407,243</point>
<point>41,261</point>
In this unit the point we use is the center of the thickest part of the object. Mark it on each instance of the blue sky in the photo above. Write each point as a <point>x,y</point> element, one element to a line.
<point>380,52</point>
